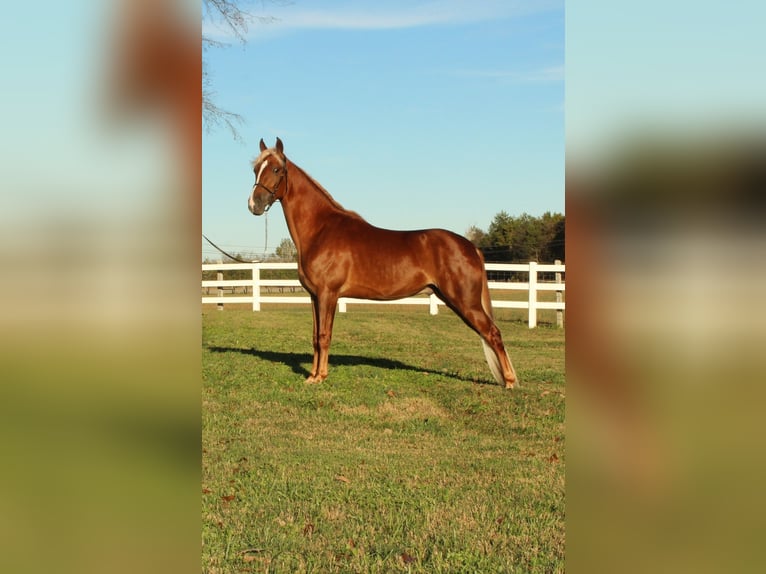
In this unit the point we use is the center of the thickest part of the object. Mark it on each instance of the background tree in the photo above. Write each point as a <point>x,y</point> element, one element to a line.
<point>522,238</point>
<point>499,238</point>
<point>553,227</point>
<point>475,235</point>
<point>286,251</point>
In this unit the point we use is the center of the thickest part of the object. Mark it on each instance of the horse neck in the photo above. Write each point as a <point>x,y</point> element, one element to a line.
<point>306,205</point>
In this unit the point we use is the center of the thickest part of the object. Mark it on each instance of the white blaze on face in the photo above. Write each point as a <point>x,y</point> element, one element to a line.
<point>260,171</point>
<point>251,201</point>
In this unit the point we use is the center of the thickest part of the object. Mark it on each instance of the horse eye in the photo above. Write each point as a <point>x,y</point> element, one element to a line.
<point>276,170</point>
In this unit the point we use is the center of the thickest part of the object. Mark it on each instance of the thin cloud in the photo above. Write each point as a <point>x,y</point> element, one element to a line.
<point>387,16</point>
<point>390,15</point>
<point>547,75</point>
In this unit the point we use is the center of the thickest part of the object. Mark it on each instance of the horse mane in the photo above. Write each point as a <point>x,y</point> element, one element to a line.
<point>265,154</point>
<point>326,193</point>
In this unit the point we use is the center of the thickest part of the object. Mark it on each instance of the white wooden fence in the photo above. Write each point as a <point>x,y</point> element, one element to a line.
<point>533,286</point>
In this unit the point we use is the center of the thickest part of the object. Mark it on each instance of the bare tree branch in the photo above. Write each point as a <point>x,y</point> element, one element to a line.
<point>235,18</point>
<point>234,15</point>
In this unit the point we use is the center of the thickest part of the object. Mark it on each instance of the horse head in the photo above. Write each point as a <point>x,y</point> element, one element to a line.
<point>270,169</point>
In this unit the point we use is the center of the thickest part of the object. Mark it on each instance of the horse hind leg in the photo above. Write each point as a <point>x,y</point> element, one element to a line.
<point>494,350</point>
<point>502,370</point>
<point>493,362</point>
<point>478,316</point>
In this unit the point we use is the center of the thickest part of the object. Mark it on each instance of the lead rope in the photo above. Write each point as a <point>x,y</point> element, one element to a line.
<point>265,243</point>
<point>266,212</point>
<point>266,235</point>
<point>229,255</point>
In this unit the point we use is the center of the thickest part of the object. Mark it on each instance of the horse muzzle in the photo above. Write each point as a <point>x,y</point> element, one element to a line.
<point>259,204</point>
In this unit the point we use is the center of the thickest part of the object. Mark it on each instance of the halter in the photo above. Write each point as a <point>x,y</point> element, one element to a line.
<point>271,191</point>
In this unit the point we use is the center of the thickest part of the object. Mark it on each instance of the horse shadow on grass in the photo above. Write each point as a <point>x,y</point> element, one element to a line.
<point>296,361</point>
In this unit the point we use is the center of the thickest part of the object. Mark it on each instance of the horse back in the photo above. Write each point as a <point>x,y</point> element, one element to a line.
<point>354,234</point>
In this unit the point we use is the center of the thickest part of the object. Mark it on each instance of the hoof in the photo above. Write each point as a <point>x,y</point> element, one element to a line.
<point>511,385</point>
<point>314,380</point>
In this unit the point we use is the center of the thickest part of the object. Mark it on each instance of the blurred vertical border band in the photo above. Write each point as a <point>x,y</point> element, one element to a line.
<point>99,358</point>
<point>666,180</point>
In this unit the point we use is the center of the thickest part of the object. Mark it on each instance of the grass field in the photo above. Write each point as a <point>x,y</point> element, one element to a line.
<point>407,459</point>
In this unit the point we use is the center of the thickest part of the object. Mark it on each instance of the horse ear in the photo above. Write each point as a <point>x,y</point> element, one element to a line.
<point>280,147</point>
<point>263,145</point>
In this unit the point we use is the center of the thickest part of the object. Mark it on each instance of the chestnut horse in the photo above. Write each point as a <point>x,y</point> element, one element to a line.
<point>341,255</point>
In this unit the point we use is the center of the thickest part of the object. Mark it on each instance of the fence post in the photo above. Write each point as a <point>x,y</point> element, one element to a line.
<point>532,294</point>
<point>219,277</point>
<point>433,304</point>
<point>342,305</point>
<point>559,294</point>
<point>256,286</point>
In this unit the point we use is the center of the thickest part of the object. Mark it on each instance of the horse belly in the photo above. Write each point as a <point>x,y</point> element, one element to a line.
<point>385,278</point>
<point>371,263</point>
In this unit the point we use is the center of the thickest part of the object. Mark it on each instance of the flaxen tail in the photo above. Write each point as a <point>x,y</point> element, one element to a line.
<point>494,364</point>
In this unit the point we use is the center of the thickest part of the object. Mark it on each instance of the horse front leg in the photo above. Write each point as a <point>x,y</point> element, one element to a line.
<point>324,318</point>
<point>312,378</point>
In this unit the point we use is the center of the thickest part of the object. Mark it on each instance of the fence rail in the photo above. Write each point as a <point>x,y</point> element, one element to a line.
<point>256,298</point>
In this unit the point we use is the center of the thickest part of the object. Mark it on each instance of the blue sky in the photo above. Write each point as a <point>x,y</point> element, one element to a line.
<point>414,114</point>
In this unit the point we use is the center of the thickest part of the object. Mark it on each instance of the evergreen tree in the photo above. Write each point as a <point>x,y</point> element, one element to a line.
<point>522,238</point>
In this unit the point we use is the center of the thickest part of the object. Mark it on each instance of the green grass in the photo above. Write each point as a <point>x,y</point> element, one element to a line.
<point>407,459</point>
